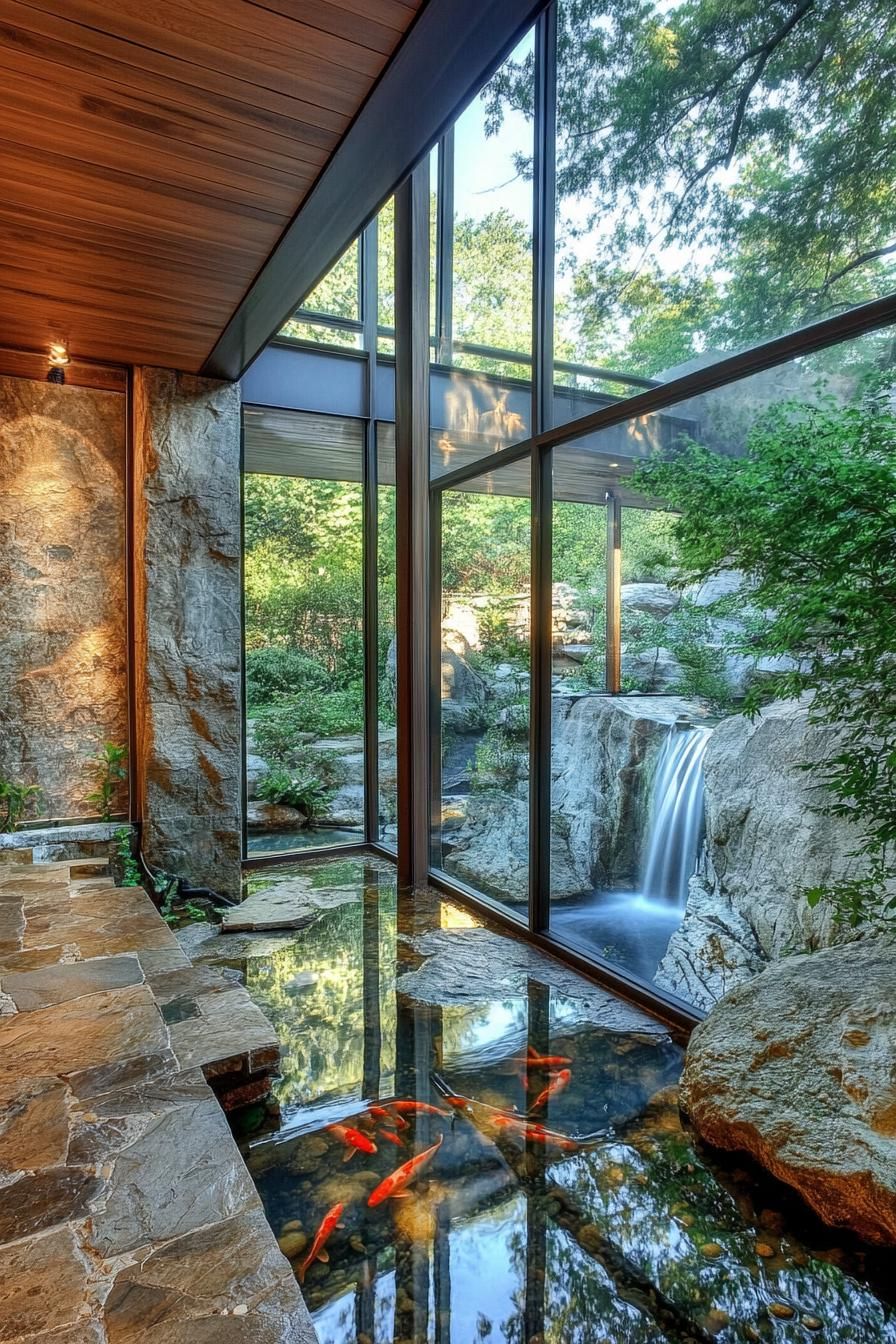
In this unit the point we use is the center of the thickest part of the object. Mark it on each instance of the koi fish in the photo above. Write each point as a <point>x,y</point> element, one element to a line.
<point>418,1108</point>
<point>393,1187</point>
<point>557,1084</point>
<point>458,1102</point>
<point>353,1138</point>
<point>386,1117</point>
<point>392,1138</point>
<point>535,1061</point>
<point>317,1252</point>
<point>535,1133</point>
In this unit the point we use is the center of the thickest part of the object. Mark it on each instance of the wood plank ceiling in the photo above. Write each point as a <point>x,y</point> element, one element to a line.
<point>153,151</point>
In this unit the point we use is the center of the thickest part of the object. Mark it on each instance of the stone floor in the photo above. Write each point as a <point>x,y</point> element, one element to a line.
<point>126,1212</point>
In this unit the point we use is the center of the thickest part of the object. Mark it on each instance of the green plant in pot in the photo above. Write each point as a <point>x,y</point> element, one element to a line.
<point>15,800</point>
<point>111,770</point>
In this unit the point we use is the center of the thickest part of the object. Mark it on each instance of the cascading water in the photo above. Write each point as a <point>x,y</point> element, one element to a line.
<point>677,816</point>
<point>633,928</point>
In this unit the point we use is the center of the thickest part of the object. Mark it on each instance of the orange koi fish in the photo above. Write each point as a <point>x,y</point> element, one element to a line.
<point>353,1138</point>
<point>393,1187</point>
<point>392,1138</point>
<point>535,1133</point>
<point>458,1102</point>
<point>317,1252</point>
<point>386,1117</point>
<point>537,1061</point>
<point>557,1084</point>
<point>418,1108</point>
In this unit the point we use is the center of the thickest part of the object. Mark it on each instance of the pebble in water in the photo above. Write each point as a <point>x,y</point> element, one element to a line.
<point>712,1249</point>
<point>292,1244</point>
<point>811,1322</point>
<point>764,1250</point>
<point>781,1310</point>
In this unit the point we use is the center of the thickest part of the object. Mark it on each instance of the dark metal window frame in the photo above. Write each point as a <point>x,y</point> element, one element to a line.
<point>420,811</point>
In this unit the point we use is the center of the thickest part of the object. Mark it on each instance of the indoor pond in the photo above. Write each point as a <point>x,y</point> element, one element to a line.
<point>476,1144</point>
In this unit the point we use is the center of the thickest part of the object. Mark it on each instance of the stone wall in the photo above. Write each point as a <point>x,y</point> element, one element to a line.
<point>62,587</point>
<point>187,619</point>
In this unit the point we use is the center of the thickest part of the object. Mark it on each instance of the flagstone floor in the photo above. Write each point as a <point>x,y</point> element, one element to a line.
<point>126,1212</point>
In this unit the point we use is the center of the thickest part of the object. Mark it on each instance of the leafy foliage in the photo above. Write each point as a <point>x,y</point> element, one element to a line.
<point>15,800</point>
<point>301,788</point>
<point>110,768</point>
<point>809,516</point>
<point>278,670</point>
<point>130,869</point>
<point>732,167</point>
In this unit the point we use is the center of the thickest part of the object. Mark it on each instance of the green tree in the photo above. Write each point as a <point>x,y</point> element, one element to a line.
<point>737,159</point>
<point>809,516</point>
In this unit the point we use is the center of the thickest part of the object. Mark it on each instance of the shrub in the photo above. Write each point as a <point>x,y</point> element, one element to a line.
<point>300,788</point>
<point>15,799</point>
<point>110,768</point>
<point>278,670</point>
<point>282,727</point>
<point>497,764</point>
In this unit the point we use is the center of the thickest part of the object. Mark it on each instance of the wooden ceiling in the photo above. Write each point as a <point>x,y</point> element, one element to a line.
<point>153,151</point>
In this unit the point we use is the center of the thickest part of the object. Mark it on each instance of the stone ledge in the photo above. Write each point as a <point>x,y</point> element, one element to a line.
<point>126,1212</point>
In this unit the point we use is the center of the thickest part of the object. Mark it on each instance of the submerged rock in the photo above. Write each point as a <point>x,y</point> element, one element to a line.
<point>796,1068</point>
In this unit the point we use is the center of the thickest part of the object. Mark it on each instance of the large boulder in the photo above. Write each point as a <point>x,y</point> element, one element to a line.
<point>464,691</point>
<point>766,841</point>
<point>796,1068</point>
<point>654,599</point>
<point>651,670</point>
<point>603,752</point>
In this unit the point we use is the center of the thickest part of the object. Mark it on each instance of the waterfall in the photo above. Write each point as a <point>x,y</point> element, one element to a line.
<point>676,827</point>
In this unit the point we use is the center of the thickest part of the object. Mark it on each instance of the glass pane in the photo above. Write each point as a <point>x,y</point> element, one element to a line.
<point>388,833</point>
<point>303,629</point>
<point>338,294</point>
<point>492,281</point>
<point>484,686</point>
<point>725,175</point>
<point>296,329</point>
<point>692,814</point>
<point>385,274</point>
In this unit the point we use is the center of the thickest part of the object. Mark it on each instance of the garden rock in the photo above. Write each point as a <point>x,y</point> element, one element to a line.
<point>274,817</point>
<point>654,599</point>
<point>796,1069</point>
<point>257,769</point>
<point>653,670</point>
<point>766,842</point>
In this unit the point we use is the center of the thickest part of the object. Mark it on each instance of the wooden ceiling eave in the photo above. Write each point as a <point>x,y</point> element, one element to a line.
<point>152,155</point>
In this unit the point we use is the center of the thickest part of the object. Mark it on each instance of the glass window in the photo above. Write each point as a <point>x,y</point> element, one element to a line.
<point>692,813</point>
<point>388,833</point>
<point>337,296</point>
<point>724,176</point>
<point>303,629</point>
<point>492,243</point>
<point>483,678</point>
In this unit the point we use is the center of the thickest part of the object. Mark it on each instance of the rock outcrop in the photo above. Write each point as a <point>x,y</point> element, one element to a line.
<point>601,764</point>
<point>797,1069</point>
<point>766,841</point>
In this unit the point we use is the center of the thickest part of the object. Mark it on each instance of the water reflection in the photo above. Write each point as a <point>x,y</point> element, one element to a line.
<point>591,1220</point>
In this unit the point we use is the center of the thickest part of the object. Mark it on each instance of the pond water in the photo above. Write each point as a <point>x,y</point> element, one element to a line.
<point>310,837</point>
<point>553,1202</point>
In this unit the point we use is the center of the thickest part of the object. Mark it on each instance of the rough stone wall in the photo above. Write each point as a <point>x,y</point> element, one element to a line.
<point>187,617</point>
<point>63,684</point>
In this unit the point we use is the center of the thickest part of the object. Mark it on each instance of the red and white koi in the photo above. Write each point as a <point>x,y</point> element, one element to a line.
<point>395,1186</point>
<point>317,1252</point>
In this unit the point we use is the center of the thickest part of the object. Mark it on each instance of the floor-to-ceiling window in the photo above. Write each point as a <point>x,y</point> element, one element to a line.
<point>624,223</point>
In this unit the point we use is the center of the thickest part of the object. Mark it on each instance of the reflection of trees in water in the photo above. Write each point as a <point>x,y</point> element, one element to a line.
<point>662,1206</point>
<point>320,1020</point>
